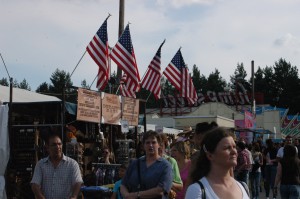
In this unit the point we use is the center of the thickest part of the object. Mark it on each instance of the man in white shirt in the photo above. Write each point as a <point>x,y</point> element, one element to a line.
<point>288,141</point>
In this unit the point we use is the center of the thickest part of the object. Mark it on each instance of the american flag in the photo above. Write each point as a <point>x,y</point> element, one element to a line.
<point>177,73</point>
<point>151,80</point>
<point>98,50</point>
<point>123,55</point>
<point>188,90</point>
<point>123,87</point>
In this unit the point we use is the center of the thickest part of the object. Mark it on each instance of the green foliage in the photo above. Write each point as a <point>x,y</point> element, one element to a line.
<point>43,88</point>
<point>4,82</point>
<point>24,85</point>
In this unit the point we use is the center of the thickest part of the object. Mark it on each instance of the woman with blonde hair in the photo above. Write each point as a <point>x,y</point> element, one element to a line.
<point>181,153</point>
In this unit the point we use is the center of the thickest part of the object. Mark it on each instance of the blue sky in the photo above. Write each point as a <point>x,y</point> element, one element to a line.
<point>38,36</point>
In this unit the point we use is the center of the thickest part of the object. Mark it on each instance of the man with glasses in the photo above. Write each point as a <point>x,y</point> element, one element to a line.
<point>56,176</point>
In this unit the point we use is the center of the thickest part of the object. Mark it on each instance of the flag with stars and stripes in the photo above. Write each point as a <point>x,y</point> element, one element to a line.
<point>123,55</point>
<point>124,91</point>
<point>177,73</point>
<point>152,78</point>
<point>98,50</point>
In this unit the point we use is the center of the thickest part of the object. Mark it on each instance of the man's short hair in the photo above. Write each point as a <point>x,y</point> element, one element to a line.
<point>203,127</point>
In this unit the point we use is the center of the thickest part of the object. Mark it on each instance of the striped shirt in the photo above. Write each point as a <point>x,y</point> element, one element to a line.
<point>57,183</point>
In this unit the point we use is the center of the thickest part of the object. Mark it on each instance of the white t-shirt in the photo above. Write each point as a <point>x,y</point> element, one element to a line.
<point>280,152</point>
<point>194,191</point>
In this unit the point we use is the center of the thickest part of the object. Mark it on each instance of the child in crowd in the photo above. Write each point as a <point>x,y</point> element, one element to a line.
<point>116,191</point>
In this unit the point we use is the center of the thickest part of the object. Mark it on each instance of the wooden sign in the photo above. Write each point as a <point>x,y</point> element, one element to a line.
<point>111,109</point>
<point>88,106</point>
<point>130,113</point>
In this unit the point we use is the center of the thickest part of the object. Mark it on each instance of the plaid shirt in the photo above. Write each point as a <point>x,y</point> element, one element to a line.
<point>243,158</point>
<point>56,183</point>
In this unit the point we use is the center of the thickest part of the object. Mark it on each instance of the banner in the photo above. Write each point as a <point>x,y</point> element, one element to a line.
<point>130,110</point>
<point>249,120</point>
<point>111,109</point>
<point>88,106</point>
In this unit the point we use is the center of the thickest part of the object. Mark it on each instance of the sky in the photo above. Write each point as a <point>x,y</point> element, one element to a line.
<point>39,36</point>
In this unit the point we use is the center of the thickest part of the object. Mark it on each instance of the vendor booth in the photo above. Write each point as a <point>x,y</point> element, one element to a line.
<point>97,121</point>
<point>30,116</point>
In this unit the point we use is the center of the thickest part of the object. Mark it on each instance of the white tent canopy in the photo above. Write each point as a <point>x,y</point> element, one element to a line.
<point>24,96</point>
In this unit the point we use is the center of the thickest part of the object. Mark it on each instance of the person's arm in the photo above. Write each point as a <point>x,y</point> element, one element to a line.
<point>177,182</point>
<point>150,193</point>
<point>125,193</point>
<point>177,187</point>
<point>75,190</point>
<point>278,177</point>
<point>36,189</point>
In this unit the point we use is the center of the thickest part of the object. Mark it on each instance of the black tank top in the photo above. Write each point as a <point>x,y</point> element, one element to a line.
<point>290,172</point>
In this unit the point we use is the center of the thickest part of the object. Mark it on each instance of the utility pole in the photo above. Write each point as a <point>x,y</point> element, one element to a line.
<point>253,97</point>
<point>121,28</point>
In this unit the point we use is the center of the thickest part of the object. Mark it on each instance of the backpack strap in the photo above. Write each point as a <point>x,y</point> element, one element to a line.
<point>139,174</point>
<point>245,187</point>
<point>202,189</point>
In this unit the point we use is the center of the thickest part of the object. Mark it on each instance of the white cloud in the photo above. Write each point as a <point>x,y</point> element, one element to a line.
<point>287,40</point>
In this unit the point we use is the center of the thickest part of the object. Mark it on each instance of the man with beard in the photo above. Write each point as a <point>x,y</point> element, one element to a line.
<point>56,176</point>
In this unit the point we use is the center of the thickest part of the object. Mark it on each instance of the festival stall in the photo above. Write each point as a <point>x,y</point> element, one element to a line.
<point>31,116</point>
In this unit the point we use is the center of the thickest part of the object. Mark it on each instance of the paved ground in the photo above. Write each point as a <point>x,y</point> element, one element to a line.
<point>262,195</point>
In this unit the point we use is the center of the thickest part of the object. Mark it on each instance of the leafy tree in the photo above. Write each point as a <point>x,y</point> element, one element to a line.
<point>215,82</point>
<point>84,84</point>
<point>15,84</point>
<point>43,88</point>
<point>286,84</point>
<point>61,80</point>
<point>196,77</point>
<point>239,75</point>
<point>4,82</point>
<point>24,85</point>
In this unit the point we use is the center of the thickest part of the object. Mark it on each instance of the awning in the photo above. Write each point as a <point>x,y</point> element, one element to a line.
<point>256,131</point>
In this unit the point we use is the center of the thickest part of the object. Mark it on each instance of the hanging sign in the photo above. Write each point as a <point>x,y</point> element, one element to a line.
<point>124,126</point>
<point>88,106</point>
<point>130,107</point>
<point>111,109</point>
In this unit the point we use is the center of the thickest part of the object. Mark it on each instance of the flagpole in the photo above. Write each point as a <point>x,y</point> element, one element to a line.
<point>118,89</point>
<point>93,81</point>
<point>148,96</point>
<point>77,64</point>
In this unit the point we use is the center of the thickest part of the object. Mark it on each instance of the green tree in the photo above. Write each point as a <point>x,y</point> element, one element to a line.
<point>61,80</point>
<point>215,82</point>
<point>43,88</point>
<point>239,75</point>
<point>15,83</point>
<point>24,85</point>
<point>196,77</point>
<point>4,82</point>
<point>84,84</point>
<point>286,84</point>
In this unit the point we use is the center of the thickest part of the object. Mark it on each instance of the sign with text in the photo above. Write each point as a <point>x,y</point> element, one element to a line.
<point>88,106</point>
<point>111,109</point>
<point>130,110</point>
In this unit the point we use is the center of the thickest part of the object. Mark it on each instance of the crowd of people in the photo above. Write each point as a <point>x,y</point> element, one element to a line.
<point>208,162</point>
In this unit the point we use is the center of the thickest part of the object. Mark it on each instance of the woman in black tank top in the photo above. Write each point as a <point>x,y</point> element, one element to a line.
<point>288,174</point>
